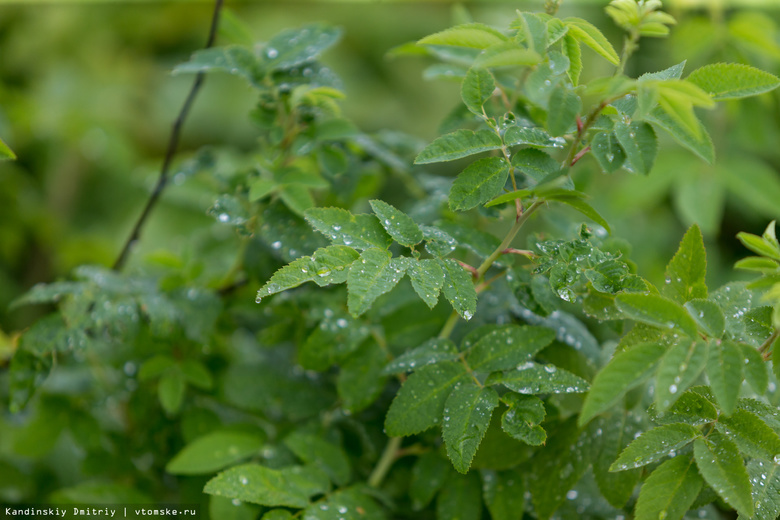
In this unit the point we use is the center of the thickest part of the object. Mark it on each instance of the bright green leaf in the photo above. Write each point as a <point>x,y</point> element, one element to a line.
<point>564,107</point>
<point>235,59</point>
<point>754,369</point>
<point>398,224</point>
<point>371,276</point>
<point>656,310</point>
<point>506,54</point>
<point>288,487</point>
<point>344,228</point>
<point>765,480</point>
<point>472,35</point>
<point>293,47</point>
<point>213,452</point>
<point>721,466</point>
<point>606,148</point>
<point>654,445</point>
<point>752,435</point>
<point>732,80</point>
<point>707,316</point>
<point>724,370</point>
<point>669,491</point>
<point>686,271</point>
<point>6,152</point>
<point>572,50</point>
<point>588,34</point>
<point>170,391</point>
<point>583,207</point>
<point>679,368</point>
<point>460,143</point>
<point>532,136</point>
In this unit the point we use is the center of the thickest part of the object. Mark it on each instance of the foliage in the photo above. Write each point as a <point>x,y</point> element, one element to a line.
<point>557,371</point>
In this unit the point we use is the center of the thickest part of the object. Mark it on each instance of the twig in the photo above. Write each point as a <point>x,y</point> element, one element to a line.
<point>173,144</point>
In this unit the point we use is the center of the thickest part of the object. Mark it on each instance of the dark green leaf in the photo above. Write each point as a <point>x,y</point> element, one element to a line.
<point>213,452</point>
<point>679,368</point>
<point>724,370</point>
<point>751,435</point>
<point>477,87</point>
<point>478,183</point>
<point>516,135</point>
<point>360,381</point>
<point>321,454</point>
<point>459,288</point>
<point>467,413</point>
<point>564,107</point>
<point>521,421</point>
<point>170,391</point>
<point>754,368</point>
<point>234,59</point>
<point>371,276</point>
<point>353,503</point>
<point>721,466</point>
<point>765,481</point>
<point>606,148</point>
<point>654,445</point>
<point>612,433</point>
<point>294,47</point>
<point>428,476</point>
<point>429,353</point>
<point>700,144</point>
<point>460,498</point>
<point>460,143</point>
<point>344,228</point>
<point>289,487</point>
<point>536,164</point>
<point>503,493</point>
<point>691,408</point>
<point>398,224</point>
<point>507,347</point>
<point>639,143</point>
<point>533,378</point>
<point>584,208</point>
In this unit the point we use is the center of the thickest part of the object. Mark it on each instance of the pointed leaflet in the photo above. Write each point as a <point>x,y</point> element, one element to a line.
<point>344,228</point>
<point>564,107</point>
<point>691,408</point>
<point>707,316</point>
<point>289,487</point>
<point>583,207</point>
<point>607,151</point>
<point>724,370</point>
<point>535,164</point>
<point>427,279</point>
<point>294,47</point>
<point>680,367</point>
<point>5,152</point>
<point>752,435</point>
<point>612,434</point>
<point>478,183</point>
<point>503,493</point>
<point>459,288</point>
<point>477,87</point>
<point>687,269</point>
<point>699,142</point>
<point>572,50</point>
<point>515,135</point>
<point>521,421</point>
<point>437,242</point>
<point>235,59</point>
<point>398,224</point>
<point>374,274</point>
<point>532,30</point>
<point>320,453</point>
<point>754,368</point>
<point>327,263</point>
<point>533,378</point>
<point>765,480</point>
<point>639,143</point>
<point>625,371</point>
<point>420,402</point>
<point>428,476</point>
<point>721,466</point>
<point>654,445</point>
<point>429,353</point>
<point>213,452</point>
<point>472,35</point>
<point>588,34</point>
<point>460,143</point>
<point>732,80</point>
<point>670,490</point>
<point>508,346</point>
<point>656,310</point>
<point>467,413</point>
<point>460,498</point>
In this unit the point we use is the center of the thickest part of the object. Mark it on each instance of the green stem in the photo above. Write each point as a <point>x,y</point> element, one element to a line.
<point>768,343</point>
<point>631,44</point>
<point>385,461</point>
<point>482,269</point>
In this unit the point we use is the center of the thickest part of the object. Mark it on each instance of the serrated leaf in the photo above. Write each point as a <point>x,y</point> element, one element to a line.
<point>325,264</point>
<point>478,183</point>
<point>477,87</point>
<point>565,105</point>
<point>754,368</point>
<point>765,483</point>
<point>507,54</point>
<point>655,444</point>
<point>472,35</point>
<point>371,276</point>
<point>721,466</point>
<point>732,80</point>
<point>321,454</point>
<point>460,498</point>
<point>235,59</point>
<point>521,421</point>
<point>293,47</point>
<point>213,452</point>
<point>398,224</point>
<point>353,503</point>
<point>656,310</point>
<point>707,316</point>
<point>588,34</point>
<point>724,370</point>
<point>344,228</point>
<point>639,143</point>
<point>679,368</point>
<point>625,371</point>
<point>535,164</point>
<point>686,271</point>
<point>757,264</point>
<point>428,476</point>
<point>532,136</point>
<point>508,346</point>
<point>288,487</point>
<point>583,207</point>
<point>420,402</point>
<point>427,279</point>
<point>752,435</point>
<point>532,378</point>
<point>699,142</point>
<point>460,143</point>
<point>612,433</point>
<point>572,50</point>
<point>691,408</point>
<point>606,148</point>
<point>758,245</point>
<point>459,288</point>
<point>532,30</point>
<point>438,242</point>
<point>503,493</point>
<point>431,352</point>
<point>467,414</point>
<point>670,490</point>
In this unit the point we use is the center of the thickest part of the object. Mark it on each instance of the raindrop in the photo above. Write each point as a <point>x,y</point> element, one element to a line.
<point>272,53</point>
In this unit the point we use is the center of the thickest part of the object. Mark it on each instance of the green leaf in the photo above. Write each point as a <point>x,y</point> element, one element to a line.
<point>583,207</point>
<point>588,34</point>
<point>427,279</point>
<point>288,487</point>
<point>353,503</point>
<point>326,264</point>
<point>535,164</point>
<point>639,143</point>
<point>371,276</point>
<point>686,271</point>
<point>321,454</point>
<point>459,288</point>
<point>221,507</point>
<point>656,310</point>
<point>235,59</point>
<point>521,421</point>
<point>261,188</point>
<point>679,368</point>
<point>508,346</point>
<point>507,54</point>
<point>429,353</point>
<point>296,197</point>
<point>336,337</point>
<point>360,381</point>
<point>478,183</point>
<point>428,476</point>
<point>170,391</point>
<point>612,434</point>
<point>213,452</point>
<point>477,87</point>
<point>606,148</point>
<point>344,228</point>
<point>6,152</point>
<point>752,435</point>
<point>293,47</point>
<point>732,80</point>
<point>765,480</point>
<point>691,408</point>
<point>533,378</point>
<point>503,493</point>
<point>572,50</point>
<point>724,370</point>
<point>565,105</point>
<point>699,142</point>
<point>460,143</point>
<point>627,370</point>
<point>460,498</point>
<point>759,245</point>
<point>754,368</point>
<point>757,264</point>
<point>420,402</point>
<point>472,35</point>
<point>532,136</point>
<point>721,466</point>
<point>398,224</point>
<point>707,316</point>
<point>467,413</point>
<point>655,444</point>
<point>532,30</point>
<point>669,491</point>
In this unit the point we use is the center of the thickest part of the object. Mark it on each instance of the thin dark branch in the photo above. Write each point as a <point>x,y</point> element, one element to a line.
<point>173,144</point>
